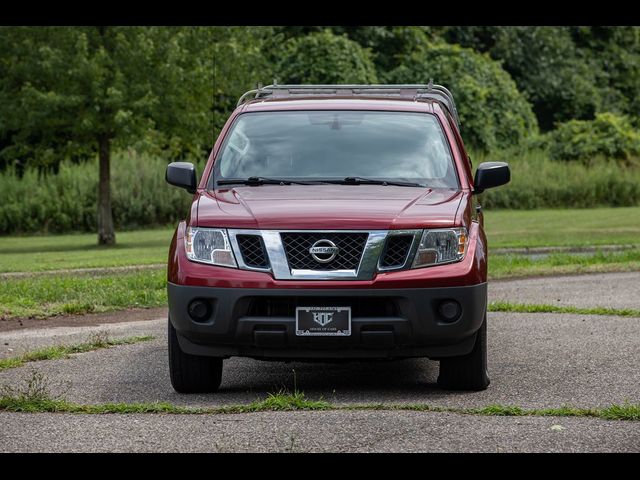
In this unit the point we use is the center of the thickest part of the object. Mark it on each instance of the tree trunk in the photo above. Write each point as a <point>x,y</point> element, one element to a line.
<point>106,234</point>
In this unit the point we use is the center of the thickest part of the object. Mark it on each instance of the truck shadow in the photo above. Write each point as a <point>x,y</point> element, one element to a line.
<point>327,378</point>
<point>246,380</point>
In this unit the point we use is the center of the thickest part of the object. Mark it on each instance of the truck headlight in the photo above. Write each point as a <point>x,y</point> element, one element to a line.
<point>441,246</point>
<point>209,245</point>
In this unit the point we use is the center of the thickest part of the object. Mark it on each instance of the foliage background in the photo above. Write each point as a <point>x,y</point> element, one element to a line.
<point>561,104</point>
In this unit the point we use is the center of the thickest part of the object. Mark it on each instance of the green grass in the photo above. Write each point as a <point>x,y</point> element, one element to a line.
<point>39,253</point>
<point>45,296</point>
<point>543,308</point>
<point>505,228</point>
<point>64,294</point>
<point>508,266</point>
<point>562,227</point>
<point>34,396</point>
<point>539,182</point>
<point>613,412</point>
<point>298,402</point>
<point>63,351</point>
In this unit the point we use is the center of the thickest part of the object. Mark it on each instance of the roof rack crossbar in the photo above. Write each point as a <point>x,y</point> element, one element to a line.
<point>416,92</point>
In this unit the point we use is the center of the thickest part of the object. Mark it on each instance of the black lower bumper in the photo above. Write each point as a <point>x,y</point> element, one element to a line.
<point>386,323</point>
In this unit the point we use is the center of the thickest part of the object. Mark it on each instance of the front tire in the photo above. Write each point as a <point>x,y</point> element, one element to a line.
<point>467,372</point>
<point>192,373</point>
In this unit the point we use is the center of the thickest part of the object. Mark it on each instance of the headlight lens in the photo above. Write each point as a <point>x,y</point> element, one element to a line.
<point>209,245</point>
<point>441,246</point>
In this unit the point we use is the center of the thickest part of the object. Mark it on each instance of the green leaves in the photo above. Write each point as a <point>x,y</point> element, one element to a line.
<point>169,91</point>
<point>64,87</point>
<point>608,135</point>
<point>492,112</point>
<point>323,57</point>
<point>565,72</point>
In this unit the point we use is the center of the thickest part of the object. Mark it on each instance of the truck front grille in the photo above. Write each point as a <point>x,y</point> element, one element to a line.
<point>322,255</point>
<point>396,251</point>
<point>253,251</point>
<point>350,247</point>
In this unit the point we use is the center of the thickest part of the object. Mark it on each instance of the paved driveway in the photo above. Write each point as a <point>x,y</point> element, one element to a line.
<point>536,361</point>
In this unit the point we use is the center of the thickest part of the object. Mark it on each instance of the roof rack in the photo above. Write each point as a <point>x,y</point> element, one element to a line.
<point>416,92</point>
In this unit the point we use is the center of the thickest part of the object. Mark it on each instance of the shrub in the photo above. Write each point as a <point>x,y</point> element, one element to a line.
<point>141,198</point>
<point>492,112</point>
<point>323,57</point>
<point>67,201</point>
<point>539,182</point>
<point>608,135</point>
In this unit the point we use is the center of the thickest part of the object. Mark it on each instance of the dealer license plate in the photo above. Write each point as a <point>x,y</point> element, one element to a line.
<point>323,321</point>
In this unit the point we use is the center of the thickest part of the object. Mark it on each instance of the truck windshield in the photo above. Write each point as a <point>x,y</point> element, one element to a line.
<point>331,145</point>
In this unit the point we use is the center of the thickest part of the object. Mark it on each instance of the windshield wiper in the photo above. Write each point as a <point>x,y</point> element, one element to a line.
<point>254,181</point>
<point>373,181</point>
<point>261,181</point>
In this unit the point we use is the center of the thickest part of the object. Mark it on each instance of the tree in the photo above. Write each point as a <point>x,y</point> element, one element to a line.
<point>555,76</point>
<point>323,57</point>
<point>615,54</point>
<point>387,44</point>
<point>74,92</point>
<point>566,72</point>
<point>607,136</point>
<point>240,61</point>
<point>493,113</point>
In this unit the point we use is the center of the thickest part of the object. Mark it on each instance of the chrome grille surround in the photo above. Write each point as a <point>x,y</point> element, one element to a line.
<point>369,262</point>
<point>410,251</point>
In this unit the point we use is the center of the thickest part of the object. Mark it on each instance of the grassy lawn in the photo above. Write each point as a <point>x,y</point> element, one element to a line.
<point>48,295</point>
<point>39,253</point>
<point>532,228</point>
<point>570,227</point>
<point>44,296</point>
<point>509,266</point>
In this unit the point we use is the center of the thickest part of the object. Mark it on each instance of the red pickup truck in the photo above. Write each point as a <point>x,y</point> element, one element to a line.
<point>333,222</point>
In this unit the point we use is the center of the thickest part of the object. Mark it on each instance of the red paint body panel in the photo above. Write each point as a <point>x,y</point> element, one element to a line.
<point>329,206</point>
<point>470,271</point>
<point>349,207</point>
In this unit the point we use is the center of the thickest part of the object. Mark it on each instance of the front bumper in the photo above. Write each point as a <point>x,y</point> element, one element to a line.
<point>386,323</point>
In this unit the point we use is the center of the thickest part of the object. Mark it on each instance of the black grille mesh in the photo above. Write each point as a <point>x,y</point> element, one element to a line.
<point>253,251</point>
<point>396,250</point>
<point>350,245</point>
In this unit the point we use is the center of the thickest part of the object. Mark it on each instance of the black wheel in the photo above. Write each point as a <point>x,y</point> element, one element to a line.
<point>192,373</point>
<point>467,372</point>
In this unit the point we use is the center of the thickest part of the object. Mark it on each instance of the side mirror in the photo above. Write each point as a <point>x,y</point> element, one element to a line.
<point>183,175</point>
<point>491,174</point>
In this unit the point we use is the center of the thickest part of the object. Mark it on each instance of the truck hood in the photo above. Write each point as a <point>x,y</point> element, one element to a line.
<point>371,207</point>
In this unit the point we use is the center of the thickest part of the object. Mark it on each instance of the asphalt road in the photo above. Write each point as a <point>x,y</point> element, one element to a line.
<point>535,360</point>
<point>330,431</point>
